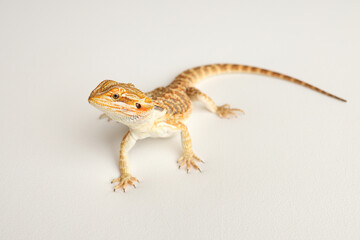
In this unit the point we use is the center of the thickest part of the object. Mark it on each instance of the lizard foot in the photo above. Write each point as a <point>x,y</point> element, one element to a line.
<point>105,116</point>
<point>225,111</point>
<point>189,160</point>
<point>124,180</point>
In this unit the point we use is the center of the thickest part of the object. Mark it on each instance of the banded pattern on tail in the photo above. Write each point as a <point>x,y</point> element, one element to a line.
<point>191,76</point>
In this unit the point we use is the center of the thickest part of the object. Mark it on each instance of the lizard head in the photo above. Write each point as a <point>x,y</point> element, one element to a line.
<point>122,102</point>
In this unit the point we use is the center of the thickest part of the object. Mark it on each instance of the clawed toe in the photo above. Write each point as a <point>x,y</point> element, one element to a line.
<point>124,181</point>
<point>225,111</point>
<point>189,161</point>
<point>105,116</point>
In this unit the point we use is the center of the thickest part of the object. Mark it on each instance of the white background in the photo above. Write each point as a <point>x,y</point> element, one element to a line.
<point>288,169</point>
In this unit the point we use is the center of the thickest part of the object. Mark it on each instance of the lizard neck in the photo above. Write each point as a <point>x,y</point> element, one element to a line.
<point>145,125</point>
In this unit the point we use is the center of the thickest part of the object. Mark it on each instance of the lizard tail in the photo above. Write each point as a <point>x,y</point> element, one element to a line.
<point>191,76</point>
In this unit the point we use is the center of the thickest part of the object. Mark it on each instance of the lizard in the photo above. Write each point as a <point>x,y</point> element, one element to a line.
<point>161,112</point>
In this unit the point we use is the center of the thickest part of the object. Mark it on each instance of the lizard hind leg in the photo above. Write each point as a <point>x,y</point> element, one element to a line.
<point>224,111</point>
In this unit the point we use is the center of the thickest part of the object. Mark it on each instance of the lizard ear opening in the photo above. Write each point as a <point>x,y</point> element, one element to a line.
<point>158,108</point>
<point>148,100</point>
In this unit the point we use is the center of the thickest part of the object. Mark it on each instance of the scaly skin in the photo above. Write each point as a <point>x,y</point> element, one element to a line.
<point>161,112</point>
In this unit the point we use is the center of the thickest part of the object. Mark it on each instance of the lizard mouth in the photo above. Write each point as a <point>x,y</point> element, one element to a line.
<point>90,100</point>
<point>106,107</point>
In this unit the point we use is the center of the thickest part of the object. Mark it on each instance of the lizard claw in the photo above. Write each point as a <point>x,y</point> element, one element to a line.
<point>189,159</point>
<point>124,180</point>
<point>105,116</point>
<point>225,111</point>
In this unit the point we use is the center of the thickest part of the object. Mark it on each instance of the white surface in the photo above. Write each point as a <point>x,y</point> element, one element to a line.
<point>288,169</point>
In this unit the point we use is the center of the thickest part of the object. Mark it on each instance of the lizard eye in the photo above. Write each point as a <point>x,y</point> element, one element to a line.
<point>138,105</point>
<point>115,96</point>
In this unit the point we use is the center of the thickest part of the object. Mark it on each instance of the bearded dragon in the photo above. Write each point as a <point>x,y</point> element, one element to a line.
<point>161,112</point>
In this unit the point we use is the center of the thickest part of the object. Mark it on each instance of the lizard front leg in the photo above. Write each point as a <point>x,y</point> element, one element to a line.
<point>188,158</point>
<point>125,177</point>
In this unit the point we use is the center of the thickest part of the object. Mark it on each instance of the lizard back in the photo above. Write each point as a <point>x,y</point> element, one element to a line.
<point>177,103</point>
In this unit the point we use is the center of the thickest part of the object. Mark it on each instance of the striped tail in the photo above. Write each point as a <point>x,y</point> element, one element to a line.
<point>191,76</point>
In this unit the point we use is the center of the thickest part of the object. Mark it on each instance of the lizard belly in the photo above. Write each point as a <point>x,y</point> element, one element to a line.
<point>163,132</point>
